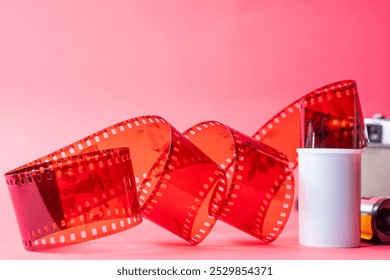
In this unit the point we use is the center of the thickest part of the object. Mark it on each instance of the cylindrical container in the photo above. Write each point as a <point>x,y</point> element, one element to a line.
<point>375,219</point>
<point>329,197</point>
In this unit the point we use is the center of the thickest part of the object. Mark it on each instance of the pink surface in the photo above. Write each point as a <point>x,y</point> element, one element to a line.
<point>69,69</point>
<point>149,241</point>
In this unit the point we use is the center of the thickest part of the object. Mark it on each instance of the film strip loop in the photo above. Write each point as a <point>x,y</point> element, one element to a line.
<point>75,199</point>
<point>184,189</point>
<point>260,182</point>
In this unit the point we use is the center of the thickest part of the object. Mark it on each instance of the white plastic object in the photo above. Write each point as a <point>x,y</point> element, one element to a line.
<point>329,184</point>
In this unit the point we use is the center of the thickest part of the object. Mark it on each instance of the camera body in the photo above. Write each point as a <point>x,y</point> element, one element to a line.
<point>378,130</point>
<point>376,158</point>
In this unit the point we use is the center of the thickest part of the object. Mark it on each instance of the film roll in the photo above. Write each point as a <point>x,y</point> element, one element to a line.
<point>375,219</point>
<point>332,138</point>
<point>328,118</point>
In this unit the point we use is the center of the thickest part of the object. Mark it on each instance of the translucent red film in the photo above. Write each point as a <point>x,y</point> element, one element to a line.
<point>72,200</point>
<point>328,117</point>
<point>332,118</point>
<point>183,182</point>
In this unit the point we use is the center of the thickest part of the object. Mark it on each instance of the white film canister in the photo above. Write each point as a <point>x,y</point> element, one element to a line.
<point>329,183</point>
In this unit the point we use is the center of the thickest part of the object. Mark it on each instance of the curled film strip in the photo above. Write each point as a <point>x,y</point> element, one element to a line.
<point>74,199</point>
<point>260,182</point>
<point>176,185</point>
<point>182,182</point>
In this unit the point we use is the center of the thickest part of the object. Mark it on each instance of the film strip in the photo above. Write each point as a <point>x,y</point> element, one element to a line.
<point>260,182</point>
<point>175,184</point>
<point>334,114</point>
<point>74,199</point>
<point>183,182</point>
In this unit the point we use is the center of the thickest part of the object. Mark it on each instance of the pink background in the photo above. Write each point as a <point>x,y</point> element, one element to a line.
<point>70,68</point>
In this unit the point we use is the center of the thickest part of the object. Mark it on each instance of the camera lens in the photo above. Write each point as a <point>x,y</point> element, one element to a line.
<point>383,221</point>
<point>374,133</point>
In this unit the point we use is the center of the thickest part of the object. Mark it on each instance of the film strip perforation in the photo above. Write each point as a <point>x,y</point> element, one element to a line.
<point>288,196</point>
<point>336,90</point>
<point>58,239</point>
<point>215,207</point>
<point>54,168</point>
<point>234,167</point>
<point>276,120</point>
<point>221,192</point>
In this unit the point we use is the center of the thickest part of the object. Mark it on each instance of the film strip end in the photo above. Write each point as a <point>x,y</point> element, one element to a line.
<point>332,117</point>
<point>334,114</point>
<point>74,199</point>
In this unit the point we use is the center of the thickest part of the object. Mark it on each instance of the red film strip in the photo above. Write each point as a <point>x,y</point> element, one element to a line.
<point>334,114</point>
<point>74,199</point>
<point>182,182</point>
<point>260,182</point>
<point>179,187</point>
